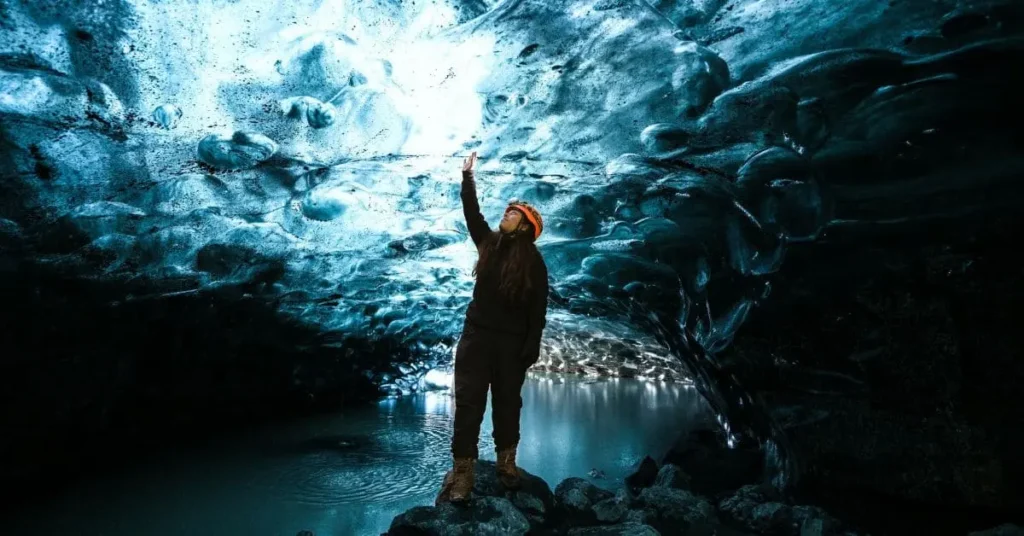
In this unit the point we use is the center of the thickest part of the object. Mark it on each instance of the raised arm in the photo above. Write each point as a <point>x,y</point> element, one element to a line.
<point>537,314</point>
<point>478,228</point>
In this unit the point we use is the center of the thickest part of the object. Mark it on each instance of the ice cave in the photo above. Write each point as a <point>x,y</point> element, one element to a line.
<point>779,234</point>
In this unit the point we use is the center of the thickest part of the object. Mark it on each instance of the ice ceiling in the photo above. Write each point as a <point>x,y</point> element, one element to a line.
<point>310,151</point>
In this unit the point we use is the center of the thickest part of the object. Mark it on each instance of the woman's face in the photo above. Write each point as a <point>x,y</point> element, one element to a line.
<point>510,221</point>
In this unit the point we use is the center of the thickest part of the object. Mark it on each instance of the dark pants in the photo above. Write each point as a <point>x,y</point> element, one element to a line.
<point>487,359</point>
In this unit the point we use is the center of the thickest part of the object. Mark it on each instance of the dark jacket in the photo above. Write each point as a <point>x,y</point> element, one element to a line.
<point>489,308</point>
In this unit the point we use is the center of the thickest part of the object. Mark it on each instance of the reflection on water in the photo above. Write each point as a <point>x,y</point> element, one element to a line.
<point>351,473</point>
<point>570,426</point>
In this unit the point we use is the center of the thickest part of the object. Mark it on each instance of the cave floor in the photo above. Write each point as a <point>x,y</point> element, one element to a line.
<point>352,472</point>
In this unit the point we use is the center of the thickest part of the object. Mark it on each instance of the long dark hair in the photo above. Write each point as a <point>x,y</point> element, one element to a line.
<point>514,267</point>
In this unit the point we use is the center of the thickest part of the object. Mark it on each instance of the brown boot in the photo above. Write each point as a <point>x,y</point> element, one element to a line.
<point>463,476</point>
<point>509,475</point>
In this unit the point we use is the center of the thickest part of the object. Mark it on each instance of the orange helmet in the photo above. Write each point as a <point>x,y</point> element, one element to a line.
<point>531,214</point>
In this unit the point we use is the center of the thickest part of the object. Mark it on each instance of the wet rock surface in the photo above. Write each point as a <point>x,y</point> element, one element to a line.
<point>645,475</point>
<point>711,465</point>
<point>534,500</point>
<point>488,515</point>
<point>580,508</point>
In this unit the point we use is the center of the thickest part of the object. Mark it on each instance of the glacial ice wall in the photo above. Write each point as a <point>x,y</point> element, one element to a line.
<point>308,153</point>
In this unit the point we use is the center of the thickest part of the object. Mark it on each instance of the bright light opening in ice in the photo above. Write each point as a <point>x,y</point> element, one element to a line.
<point>402,82</point>
<point>438,379</point>
<point>439,91</point>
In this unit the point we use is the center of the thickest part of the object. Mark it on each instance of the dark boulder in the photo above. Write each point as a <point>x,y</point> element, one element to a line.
<point>671,476</point>
<point>575,499</point>
<point>712,466</point>
<point>533,499</point>
<point>674,511</point>
<point>625,529</point>
<point>480,516</point>
<point>611,510</point>
<point>760,509</point>
<point>644,475</point>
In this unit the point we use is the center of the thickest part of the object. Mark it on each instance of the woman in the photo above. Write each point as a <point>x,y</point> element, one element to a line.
<point>501,335</point>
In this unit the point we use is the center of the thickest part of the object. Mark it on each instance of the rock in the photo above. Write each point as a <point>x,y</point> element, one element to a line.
<point>586,492</point>
<point>486,483</point>
<point>712,466</point>
<point>532,507</point>
<point>305,533</point>
<point>534,499</point>
<point>241,151</point>
<point>675,511</point>
<point>1007,529</point>
<point>575,497</point>
<point>625,529</point>
<point>610,510</point>
<point>772,518</point>
<point>745,498</point>
<point>761,510</point>
<point>813,521</point>
<point>671,476</point>
<point>644,475</point>
<point>815,527</point>
<point>626,496</point>
<point>640,516</point>
<point>485,516</point>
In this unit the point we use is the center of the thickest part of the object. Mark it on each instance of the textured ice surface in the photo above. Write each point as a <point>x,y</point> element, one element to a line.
<point>311,151</point>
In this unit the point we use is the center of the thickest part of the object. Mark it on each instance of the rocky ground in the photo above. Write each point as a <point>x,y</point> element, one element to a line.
<point>655,500</point>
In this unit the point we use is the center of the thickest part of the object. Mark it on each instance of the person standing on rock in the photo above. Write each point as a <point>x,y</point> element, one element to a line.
<point>500,338</point>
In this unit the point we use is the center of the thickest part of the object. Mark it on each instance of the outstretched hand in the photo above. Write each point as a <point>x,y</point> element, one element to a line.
<point>468,163</point>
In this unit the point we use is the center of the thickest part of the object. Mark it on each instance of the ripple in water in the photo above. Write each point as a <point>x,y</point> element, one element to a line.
<point>407,456</point>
